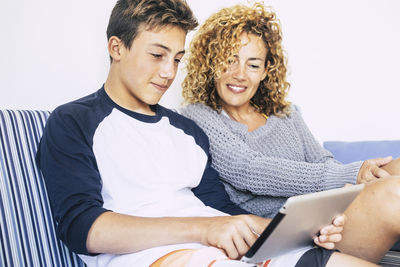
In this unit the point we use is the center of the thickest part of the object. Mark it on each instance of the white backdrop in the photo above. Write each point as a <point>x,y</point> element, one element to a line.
<point>343,57</point>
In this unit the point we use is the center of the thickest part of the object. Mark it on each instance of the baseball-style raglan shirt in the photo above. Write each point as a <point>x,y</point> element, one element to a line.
<point>96,156</point>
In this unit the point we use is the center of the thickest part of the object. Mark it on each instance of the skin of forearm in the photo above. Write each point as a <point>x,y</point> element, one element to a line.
<point>118,233</point>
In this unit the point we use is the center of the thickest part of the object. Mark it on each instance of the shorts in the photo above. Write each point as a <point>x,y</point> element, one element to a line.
<point>315,257</point>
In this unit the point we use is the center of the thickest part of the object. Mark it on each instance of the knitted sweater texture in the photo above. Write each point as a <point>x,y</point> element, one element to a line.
<point>262,168</point>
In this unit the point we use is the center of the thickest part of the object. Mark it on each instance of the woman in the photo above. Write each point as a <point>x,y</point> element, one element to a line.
<point>236,85</point>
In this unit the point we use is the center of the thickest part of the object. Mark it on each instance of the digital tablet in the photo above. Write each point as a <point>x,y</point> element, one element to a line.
<point>299,220</point>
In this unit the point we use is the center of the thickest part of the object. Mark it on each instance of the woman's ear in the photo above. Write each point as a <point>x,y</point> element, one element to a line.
<point>114,48</point>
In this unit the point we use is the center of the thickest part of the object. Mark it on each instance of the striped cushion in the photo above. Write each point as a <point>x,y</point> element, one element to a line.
<point>27,235</point>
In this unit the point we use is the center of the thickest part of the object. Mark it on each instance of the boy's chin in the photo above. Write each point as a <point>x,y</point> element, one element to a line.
<point>153,101</point>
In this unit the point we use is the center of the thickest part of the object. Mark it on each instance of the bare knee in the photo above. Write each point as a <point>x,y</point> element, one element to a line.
<point>393,167</point>
<point>384,195</point>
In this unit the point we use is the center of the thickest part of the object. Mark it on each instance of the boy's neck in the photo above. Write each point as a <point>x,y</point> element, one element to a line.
<point>116,92</point>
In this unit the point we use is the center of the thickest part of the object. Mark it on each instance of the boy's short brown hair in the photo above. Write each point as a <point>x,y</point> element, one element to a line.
<point>129,15</point>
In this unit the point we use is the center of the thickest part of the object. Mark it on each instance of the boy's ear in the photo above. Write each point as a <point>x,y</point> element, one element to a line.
<point>114,47</point>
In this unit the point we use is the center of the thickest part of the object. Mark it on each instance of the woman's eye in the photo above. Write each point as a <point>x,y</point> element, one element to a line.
<point>156,55</point>
<point>254,66</point>
<point>177,60</point>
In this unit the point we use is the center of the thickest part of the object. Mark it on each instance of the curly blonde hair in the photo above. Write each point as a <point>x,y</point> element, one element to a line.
<point>216,43</point>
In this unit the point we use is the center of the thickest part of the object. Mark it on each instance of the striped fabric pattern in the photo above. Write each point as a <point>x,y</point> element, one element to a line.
<point>27,235</point>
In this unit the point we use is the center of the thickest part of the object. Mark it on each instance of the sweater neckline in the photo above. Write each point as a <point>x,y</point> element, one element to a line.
<point>243,129</point>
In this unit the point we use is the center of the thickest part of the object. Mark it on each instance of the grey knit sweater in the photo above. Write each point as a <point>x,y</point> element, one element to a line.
<point>262,168</point>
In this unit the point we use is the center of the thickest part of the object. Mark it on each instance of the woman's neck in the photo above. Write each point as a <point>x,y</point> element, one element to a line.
<point>246,115</point>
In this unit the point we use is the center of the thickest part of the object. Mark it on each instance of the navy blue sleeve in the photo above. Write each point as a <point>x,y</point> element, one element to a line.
<point>73,183</point>
<point>212,193</point>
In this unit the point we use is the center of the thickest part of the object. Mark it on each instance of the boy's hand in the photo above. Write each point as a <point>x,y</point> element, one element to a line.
<point>331,234</point>
<point>233,234</point>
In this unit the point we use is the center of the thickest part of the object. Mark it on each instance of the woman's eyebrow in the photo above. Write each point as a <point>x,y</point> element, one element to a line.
<point>255,58</point>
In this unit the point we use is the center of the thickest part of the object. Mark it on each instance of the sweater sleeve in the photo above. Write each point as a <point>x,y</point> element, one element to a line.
<point>252,171</point>
<point>336,173</point>
<point>73,183</point>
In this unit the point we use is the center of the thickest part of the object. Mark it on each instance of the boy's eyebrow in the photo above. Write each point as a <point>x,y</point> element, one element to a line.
<point>167,48</point>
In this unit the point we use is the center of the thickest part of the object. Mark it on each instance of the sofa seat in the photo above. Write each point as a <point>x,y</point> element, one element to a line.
<point>27,232</point>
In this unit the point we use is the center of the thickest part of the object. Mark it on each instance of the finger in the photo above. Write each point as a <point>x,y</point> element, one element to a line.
<point>249,236</point>
<point>339,220</point>
<point>369,177</point>
<point>321,243</point>
<point>230,249</point>
<point>328,242</point>
<point>379,173</point>
<point>324,245</point>
<point>381,161</point>
<point>245,231</point>
<point>241,246</point>
<point>331,229</point>
<point>334,230</point>
<point>333,238</point>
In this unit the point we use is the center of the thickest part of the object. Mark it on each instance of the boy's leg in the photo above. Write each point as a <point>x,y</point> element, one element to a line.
<point>177,258</point>
<point>373,220</point>
<point>340,260</point>
<point>207,257</point>
<point>393,167</point>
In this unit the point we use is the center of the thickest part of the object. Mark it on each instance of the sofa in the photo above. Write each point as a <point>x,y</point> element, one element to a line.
<point>27,230</point>
<point>347,152</point>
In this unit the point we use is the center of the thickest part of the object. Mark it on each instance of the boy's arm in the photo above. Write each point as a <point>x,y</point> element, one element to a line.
<point>72,181</point>
<point>118,233</point>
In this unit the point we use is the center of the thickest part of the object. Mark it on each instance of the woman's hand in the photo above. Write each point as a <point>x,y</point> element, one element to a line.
<point>371,170</point>
<point>331,234</point>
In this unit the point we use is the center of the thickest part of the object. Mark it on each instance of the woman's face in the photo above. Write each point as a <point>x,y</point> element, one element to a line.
<point>239,83</point>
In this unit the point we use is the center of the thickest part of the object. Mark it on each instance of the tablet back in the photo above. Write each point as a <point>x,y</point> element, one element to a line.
<point>299,220</point>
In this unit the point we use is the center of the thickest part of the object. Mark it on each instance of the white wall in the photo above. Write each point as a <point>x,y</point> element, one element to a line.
<point>343,57</point>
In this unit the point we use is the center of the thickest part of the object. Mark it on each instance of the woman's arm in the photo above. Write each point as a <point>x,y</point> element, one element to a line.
<point>250,170</point>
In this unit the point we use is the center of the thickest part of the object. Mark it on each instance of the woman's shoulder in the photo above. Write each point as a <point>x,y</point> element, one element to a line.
<point>198,110</point>
<point>293,111</point>
<point>292,116</point>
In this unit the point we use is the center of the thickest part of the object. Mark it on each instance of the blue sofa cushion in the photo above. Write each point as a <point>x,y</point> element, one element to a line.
<point>347,152</point>
<point>27,235</point>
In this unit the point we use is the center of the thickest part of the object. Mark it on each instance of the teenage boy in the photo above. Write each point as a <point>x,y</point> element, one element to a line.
<point>130,181</point>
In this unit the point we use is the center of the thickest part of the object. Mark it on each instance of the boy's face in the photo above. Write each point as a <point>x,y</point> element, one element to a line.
<point>148,68</point>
